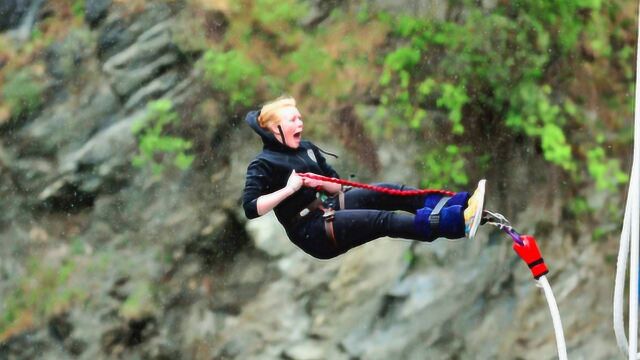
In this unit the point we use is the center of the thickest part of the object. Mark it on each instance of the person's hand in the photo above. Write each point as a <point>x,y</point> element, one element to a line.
<point>312,183</point>
<point>295,182</point>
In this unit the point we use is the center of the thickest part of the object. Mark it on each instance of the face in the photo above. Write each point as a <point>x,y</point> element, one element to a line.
<point>292,126</point>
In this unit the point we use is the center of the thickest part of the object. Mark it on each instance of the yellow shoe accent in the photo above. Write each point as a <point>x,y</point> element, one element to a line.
<point>473,212</point>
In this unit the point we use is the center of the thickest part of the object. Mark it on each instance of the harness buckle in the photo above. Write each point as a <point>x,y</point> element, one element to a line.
<point>329,214</point>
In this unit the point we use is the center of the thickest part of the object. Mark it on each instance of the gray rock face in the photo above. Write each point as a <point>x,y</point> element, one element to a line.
<point>94,158</point>
<point>86,114</point>
<point>11,12</point>
<point>305,350</point>
<point>271,239</point>
<point>142,61</point>
<point>170,268</point>
<point>20,18</point>
<point>65,57</point>
<point>95,11</point>
<point>118,32</point>
<point>152,90</point>
<point>32,174</point>
<point>100,165</point>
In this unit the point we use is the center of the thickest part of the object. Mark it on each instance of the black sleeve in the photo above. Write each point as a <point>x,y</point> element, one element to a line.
<point>256,184</point>
<point>322,162</point>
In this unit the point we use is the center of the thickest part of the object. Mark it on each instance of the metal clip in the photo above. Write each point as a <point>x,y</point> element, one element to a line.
<point>329,214</point>
<point>498,220</point>
<point>495,219</point>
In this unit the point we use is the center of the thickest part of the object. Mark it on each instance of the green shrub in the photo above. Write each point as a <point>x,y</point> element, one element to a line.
<point>233,74</point>
<point>43,292</point>
<point>155,147</point>
<point>494,67</point>
<point>276,13</point>
<point>605,172</point>
<point>445,167</point>
<point>77,8</point>
<point>23,93</point>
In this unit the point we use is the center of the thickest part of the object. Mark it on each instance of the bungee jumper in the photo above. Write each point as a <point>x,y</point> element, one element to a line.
<point>324,217</point>
<point>291,176</point>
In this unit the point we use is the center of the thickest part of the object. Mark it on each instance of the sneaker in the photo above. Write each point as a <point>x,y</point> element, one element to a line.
<point>473,212</point>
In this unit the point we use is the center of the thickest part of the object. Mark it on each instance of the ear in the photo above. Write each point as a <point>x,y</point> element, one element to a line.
<point>273,128</point>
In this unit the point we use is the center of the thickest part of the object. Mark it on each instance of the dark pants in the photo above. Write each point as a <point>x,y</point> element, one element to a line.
<point>369,215</point>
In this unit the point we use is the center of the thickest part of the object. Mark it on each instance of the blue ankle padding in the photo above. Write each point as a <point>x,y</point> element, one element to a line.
<point>460,198</point>
<point>421,223</point>
<point>451,224</point>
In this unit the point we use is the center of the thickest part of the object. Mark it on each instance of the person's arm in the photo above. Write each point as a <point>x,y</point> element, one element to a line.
<point>258,197</point>
<point>266,203</point>
<point>326,186</point>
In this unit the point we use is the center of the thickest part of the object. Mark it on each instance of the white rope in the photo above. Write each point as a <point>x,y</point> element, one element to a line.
<point>555,317</point>
<point>621,268</point>
<point>630,236</point>
<point>633,270</point>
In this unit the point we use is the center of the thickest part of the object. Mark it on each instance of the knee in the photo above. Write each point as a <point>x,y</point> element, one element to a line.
<point>385,222</point>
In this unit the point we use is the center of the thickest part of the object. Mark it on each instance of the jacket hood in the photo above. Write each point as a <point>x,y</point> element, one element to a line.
<point>268,139</point>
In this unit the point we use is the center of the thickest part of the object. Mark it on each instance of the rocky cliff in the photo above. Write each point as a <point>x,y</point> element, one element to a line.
<point>101,259</point>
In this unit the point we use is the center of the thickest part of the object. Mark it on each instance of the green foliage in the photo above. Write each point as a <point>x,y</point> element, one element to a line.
<point>600,233</point>
<point>44,291</point>
<point>409,257</point>
<point>77,246</point>
<point>445,167</point>
<point>23,93</point>
<point>232,73</point>
<point>139,303</point>
<point>272,13</point>
<point>606,172</point>
<point>309,63</point>
<point>273,55</point>
<point>507,70</point>
<point>578,206</point>
<point>154,145</point>
<point>495,66</point>
<point>77,8</point>
<point>37,34</point>
<point>453,98</point>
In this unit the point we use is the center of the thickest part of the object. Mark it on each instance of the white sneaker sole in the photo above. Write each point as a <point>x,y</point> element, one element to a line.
<point>477,217</point>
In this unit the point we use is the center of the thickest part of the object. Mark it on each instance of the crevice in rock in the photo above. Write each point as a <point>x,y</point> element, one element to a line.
<point>134,332</point>
<point>69,199</point>
<point>60,327</point>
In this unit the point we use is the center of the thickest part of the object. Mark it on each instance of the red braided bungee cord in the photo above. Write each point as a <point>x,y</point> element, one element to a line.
<point>377,188</point>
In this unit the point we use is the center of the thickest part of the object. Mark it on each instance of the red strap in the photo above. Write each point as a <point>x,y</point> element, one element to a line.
<point>377,188</point>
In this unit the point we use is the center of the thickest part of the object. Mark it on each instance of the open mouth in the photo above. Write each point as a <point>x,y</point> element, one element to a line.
<point>297,135</point>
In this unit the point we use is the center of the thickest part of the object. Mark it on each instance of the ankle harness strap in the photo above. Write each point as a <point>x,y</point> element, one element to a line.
<point>434,218</point>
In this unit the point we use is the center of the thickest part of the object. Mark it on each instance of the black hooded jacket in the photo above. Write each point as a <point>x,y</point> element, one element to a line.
<point>270,170</point>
